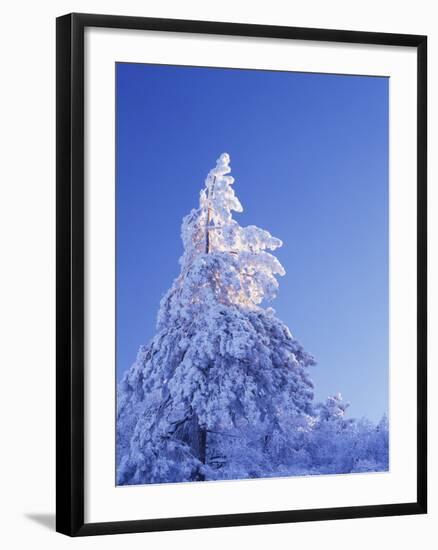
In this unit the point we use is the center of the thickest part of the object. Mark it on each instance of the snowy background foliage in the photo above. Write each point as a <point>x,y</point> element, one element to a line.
<point>223,390</point>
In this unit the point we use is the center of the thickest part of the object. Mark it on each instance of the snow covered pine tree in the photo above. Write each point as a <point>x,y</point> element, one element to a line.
<point>222,391</point>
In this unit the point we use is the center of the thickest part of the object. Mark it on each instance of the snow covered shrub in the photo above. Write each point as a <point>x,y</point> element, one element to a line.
<point>223,391</point>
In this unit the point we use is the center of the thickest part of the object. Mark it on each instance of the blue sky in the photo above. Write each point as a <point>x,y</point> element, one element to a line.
<point>309,153</point>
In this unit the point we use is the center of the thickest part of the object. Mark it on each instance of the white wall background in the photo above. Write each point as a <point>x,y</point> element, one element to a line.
<point>27,271</point>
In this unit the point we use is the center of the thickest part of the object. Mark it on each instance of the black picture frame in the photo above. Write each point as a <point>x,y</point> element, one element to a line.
<point>70,273</point>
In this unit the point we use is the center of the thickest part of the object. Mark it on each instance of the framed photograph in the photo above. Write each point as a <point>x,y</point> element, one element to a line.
<point>241,274</point>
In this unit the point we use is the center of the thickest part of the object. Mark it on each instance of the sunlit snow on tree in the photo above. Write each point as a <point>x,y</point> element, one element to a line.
<point>223,391</point>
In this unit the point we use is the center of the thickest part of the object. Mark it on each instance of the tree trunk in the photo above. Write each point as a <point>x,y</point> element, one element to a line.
<point>202,449</point>
<point>202,432</point>
<point>190,432</point>
<point>207,230</point>
<point>202,445</point>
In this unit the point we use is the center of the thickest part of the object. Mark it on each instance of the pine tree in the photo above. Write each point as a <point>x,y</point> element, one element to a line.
<point>209,396</point>
<point>222,391</point>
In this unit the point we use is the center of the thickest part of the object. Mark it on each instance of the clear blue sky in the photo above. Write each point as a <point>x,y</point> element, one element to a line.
<point>309,153</point>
